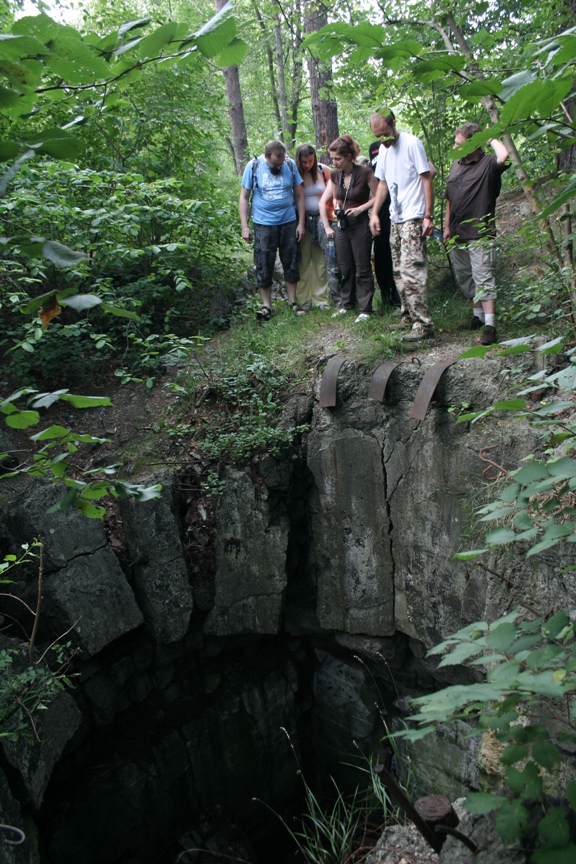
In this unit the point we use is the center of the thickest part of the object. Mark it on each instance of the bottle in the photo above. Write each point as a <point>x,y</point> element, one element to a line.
<point>331,247</point>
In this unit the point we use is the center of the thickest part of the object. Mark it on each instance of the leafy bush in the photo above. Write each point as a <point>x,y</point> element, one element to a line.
<point>527,702</point>
<point>153,258</point>
<point>535,502</point>
<point>242,408</point>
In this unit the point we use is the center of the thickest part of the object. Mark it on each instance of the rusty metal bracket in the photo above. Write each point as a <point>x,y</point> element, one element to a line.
<point>380,380</point>
<point>329,383</point>
<point>427,389</point>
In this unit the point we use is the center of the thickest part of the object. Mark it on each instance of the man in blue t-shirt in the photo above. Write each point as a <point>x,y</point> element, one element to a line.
<point>278,214</point>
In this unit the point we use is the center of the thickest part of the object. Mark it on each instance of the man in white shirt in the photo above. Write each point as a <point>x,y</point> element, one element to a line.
<point>404,171</point>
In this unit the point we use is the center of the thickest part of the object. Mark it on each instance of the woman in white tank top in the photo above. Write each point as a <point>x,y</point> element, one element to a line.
<point>312,289</point>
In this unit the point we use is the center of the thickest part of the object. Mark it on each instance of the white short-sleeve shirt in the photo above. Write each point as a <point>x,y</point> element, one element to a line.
<point>400,166</point>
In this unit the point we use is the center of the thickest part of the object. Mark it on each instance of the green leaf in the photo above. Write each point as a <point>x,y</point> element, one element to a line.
<point>90,510</point>
<point>543,683</point>
<point>553,408</point>
<point>49,434</point>
<point>471,92</point>
<point>470,555</point>
<point>152,45</point>
<point>8,149</point>
<point>565,855</point>
<point>545,754</point>
<point>22,419</point>
<point>61,255</point>
<point>133,25</point>
<point>565,378</point>
<point>501,637</point>
<point>500,536</point>
<point>527,783</point>
<point>510,405</point>
<point>217,33</point>
<point>531,472</point>
<point>44,400</point>
<point>460,653</point>
<point>35,304</point>
<point>514,753</point>
<point>137,491</point>
<point>515,82</point>
<point>511,820</point>
<point>86,401</point>
<point>476,351</point>
<point>80,302</point>
<point>483,802</point>
<point>553,829</point>
<point>553,627</point>
<point>56,143</point>
<point>562,469</point>
<point>121,313</point>
<point>233,54</point>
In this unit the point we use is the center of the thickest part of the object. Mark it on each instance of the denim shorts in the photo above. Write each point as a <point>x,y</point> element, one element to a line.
<point>269,239</point>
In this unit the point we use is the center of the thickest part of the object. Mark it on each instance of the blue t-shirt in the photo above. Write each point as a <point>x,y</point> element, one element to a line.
<point>273,202</point>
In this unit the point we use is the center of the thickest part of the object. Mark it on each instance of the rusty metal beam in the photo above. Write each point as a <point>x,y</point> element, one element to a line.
<point>329,383</point>
<point>380,380</point>
<point>427,389</point>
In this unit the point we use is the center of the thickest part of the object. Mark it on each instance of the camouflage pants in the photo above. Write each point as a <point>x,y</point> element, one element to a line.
<point>410,264</point>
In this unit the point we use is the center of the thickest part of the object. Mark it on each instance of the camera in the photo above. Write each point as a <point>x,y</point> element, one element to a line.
<point>341,216</point>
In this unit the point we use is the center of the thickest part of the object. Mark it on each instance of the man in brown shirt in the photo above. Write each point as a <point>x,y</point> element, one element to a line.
<point>473,186</point>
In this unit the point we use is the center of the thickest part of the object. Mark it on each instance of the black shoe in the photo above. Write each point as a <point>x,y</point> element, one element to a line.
<point>264,314</point>
<point>474,324</point>
<point>488,335</point>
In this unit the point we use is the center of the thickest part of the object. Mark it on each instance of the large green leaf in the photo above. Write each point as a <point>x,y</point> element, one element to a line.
<point>232,54</point>
<point>15,46</point>
<point>152,45</point>
<point>531,472</point>
<point>501,637</point>
<point>22,419</point>
<point>511,820</point>
<point>62,256</point>
<point>500,536</point>
<point>133,25</point>
<point>445,63</point>
<point>80,302</point>
<point>218,32</point>
<point>515,82</point>
<point>471,92</point>
<point>540,98</point>
<point>44,400</point>
<point>56,143</point>
<point>86,401</point>
<point>483,802</point>
<point>121,313</point>
<point>41,26</point>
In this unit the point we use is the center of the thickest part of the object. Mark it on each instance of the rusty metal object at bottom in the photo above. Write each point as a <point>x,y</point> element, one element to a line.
<point>427,389</point>
<point>329,383</point>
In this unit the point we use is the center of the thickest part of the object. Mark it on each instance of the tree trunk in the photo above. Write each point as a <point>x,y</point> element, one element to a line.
<point>235,111</point>
<point>324,108</point>
<point>282,94</point>
<point>270,58</point>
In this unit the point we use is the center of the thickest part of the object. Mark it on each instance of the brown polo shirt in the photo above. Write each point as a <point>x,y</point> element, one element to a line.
<point>472,190</point>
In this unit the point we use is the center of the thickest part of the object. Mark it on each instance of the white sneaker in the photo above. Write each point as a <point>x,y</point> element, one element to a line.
<point>338,312</point>
<point>362,317</point>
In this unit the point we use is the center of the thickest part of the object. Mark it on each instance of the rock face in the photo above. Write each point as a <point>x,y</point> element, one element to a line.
<point>250,562</point>
<point>319,581</point>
